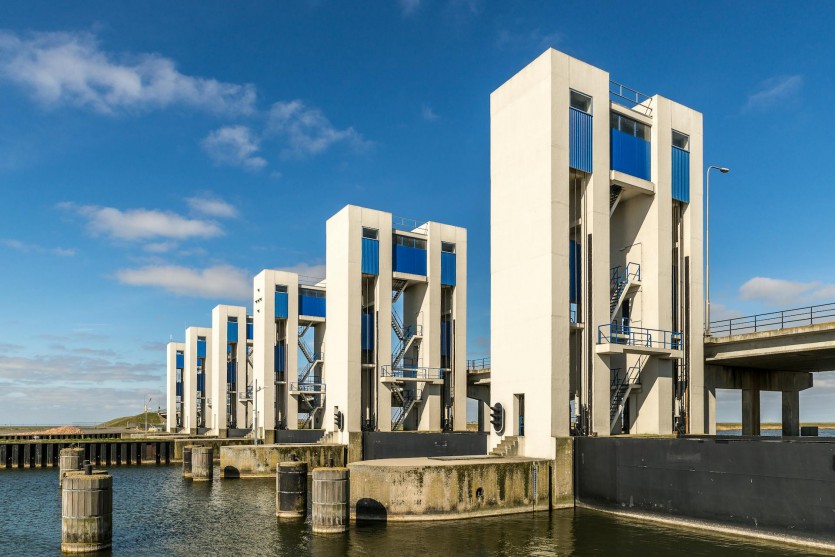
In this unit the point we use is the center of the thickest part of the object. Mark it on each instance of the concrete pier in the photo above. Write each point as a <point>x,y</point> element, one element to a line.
<point>202,463</point>
<point>261,461</point>
<point>291,490</point>
<point>86,512</point>
<point>331,497</point>
<point>446,488</point>
<point>69,461</point>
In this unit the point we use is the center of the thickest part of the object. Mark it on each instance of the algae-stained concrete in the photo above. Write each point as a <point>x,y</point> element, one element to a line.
<point>412,489</point>
<point>212,442</point>
<point>261,461</point>
<point>562,495</point>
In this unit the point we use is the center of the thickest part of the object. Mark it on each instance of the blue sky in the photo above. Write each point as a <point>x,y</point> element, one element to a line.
<point>143,145</point>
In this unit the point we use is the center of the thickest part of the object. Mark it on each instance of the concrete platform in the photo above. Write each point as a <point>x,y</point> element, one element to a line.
<point>414,489</point>
<point>260,461</point>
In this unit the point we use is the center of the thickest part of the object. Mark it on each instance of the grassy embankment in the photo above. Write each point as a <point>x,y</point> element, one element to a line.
<point>138,420</point>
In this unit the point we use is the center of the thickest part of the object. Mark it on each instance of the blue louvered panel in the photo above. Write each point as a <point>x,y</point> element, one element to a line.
<point>630,155</point>
<point>580,140</point>
<point>681,175</point>
<point>370,256</point>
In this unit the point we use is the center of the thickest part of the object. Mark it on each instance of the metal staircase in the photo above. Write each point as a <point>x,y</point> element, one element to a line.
<point>408,399</point>
<point>406,335</point>
<point>622,388</point>
<point>312,358</point>
<point>614,198</point>
<point>620,284</point>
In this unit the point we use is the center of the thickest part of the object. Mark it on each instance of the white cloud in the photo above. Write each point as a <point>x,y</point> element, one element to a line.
<point>534,39</point>
<point>409,7</point>
<point>71,69</point>
<point>34,248</point>
<point>427,113</point>
<point>785,293</point>
<point>224,281</point>
<point>307,131</point>
<point>142,224</point>
<point>307,270</point>
<point>773,91</point>
<point>234,146</point>
<point>720,312</point>
<point>159,247</point>
<point>206,204</point>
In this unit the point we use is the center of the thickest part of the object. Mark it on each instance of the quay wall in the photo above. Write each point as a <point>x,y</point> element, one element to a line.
<point>100,452</point>
<point>261,461</point>
<point>377,445</point>
<point>771,487</point>
<point>417,489</point>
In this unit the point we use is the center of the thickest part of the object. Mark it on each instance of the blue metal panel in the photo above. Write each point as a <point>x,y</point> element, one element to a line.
<point>407,259</point>
<point>201,382</point>
<point>201,348</point>
<point>579,140</point>
<point>312,305</point>
<point>230,372</point>
<point>448,268</point>
<point>681,175</point>
<point>249,331</point>
<point>370,256</point>
<point>281,304</point>
<point>446,337</point>
<point>367,330</point>
<point>180,389</point>
<point>279,357</point>
<point>575,256</point>
<point>231,331</point>
<point>181,361</point>
<point>630,155</point>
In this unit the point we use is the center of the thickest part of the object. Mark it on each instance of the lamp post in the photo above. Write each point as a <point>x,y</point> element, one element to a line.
<point>256,389</point>
<point>723,170</point>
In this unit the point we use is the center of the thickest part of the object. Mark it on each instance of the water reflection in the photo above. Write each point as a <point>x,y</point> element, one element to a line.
<point>157,512</point>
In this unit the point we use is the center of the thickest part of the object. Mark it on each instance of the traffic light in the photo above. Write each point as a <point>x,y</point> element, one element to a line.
<point>497,417</point>
<point>337,419</point>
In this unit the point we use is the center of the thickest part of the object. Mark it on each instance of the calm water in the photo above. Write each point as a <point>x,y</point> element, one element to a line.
<point>827,432</point>
<point>156,512</point>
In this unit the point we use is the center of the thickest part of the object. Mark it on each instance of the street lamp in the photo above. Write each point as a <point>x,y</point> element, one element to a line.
<point>723,170</point>
<point>256,389</point>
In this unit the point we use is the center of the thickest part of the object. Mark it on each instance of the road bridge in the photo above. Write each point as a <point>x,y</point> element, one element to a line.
<point>777,351</point>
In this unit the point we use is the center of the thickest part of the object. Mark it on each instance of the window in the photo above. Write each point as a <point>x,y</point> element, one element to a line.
<point>681,140</point>
<point>629,126</point>
<point>370,233</point>
<point>311,293</point>
<point>448,247</point>
<point>409,242</point>
<point>280,288</point>
<point>232,319</point>
<point>580,101</point>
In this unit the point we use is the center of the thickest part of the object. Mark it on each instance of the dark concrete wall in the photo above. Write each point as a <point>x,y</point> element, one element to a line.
<point>296,436</point>
<point>407,444</point>
<point>783,486</point>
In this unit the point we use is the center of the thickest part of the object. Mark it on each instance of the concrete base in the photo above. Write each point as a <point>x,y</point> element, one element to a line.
<point>260,461</point>
<point>213,442</point>
<point>415,489</point>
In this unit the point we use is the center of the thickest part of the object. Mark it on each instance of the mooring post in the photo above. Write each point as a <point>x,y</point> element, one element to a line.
<point>331,500</point>
<point>291,490</point>
<point>70,459</point>
<point>187,461</point>
<point>202,463</point>
<point>86,511</point>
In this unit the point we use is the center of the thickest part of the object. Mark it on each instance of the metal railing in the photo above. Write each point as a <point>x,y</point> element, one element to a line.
<point>614,333</point>
<point>409,225</point>
<point>424,373</point>
<point>307,280</point>
<point>478,364</point>
<point>630,98</point>
<point>306,387</point>
<point>631,271</point>
<point>775,320</point>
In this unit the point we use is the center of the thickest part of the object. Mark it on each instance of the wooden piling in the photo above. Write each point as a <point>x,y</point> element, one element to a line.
<point>86,512</point>
<point>202,463</point>
<point>331,497</point>
<point>291,490</point>
<point>70,460</point>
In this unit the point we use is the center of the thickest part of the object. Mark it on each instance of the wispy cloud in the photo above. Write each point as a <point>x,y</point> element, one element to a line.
<point>25,247</point>
<point>142,224</point>
<point>72,69</point>
<point>533,39</point>
<point>219,281</point>
<point>719,312</point>
<point>409,7</point>
<point>427,113</point>
<point>774,91</point>
<point>212,206</point>
<point>307,131</point>
<point>234,146</point>
<point>308,270</point>
<point>783,293</point>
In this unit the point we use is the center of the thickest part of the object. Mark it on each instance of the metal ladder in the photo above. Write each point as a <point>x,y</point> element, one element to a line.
<point>623,388</point>
<point>408,400</point>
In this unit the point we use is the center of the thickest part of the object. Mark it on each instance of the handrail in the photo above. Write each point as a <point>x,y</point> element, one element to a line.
<point>408,225</point>
<point>614,333</point>
<point>308,387</point>
<point>619,93</point>
<point>775,320</point>
<point>478,364</point>
<point>426,373</point>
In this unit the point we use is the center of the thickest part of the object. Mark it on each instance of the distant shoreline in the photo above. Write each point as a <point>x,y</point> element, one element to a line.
<point>730,426</point>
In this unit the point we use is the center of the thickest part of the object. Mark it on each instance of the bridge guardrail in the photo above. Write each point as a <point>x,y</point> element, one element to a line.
<point>774,321</point>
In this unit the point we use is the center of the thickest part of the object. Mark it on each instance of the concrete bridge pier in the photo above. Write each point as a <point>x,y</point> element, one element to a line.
<point>752,381</point>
